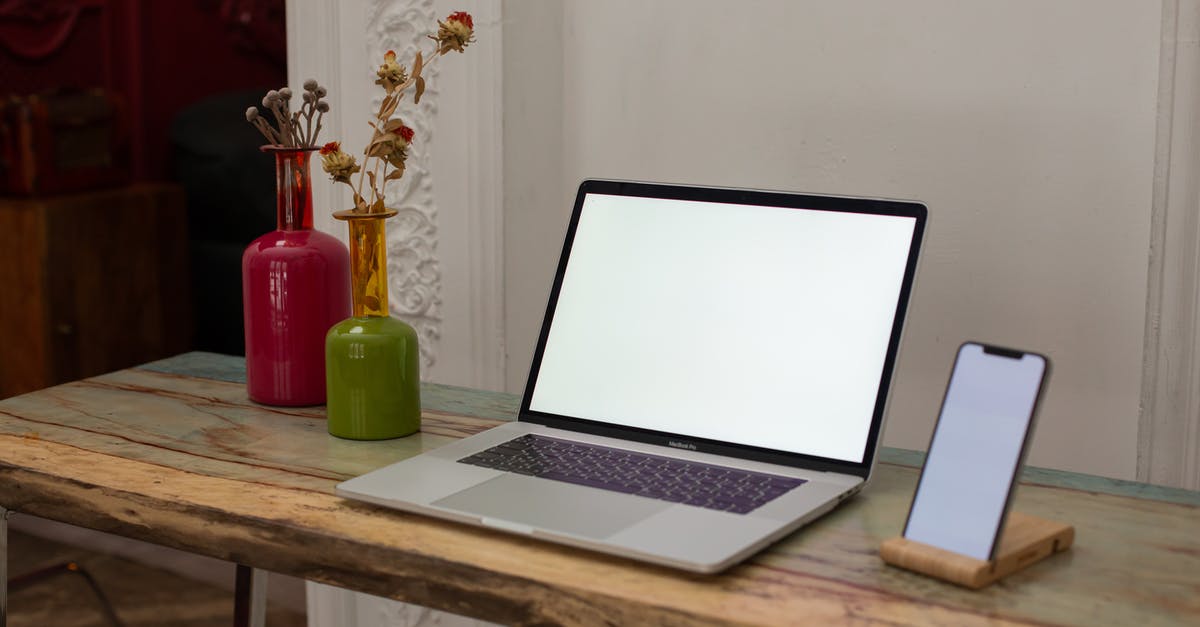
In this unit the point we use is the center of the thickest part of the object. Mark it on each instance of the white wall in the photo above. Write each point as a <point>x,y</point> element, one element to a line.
<point>1027,127</point>
<point>536,193</point>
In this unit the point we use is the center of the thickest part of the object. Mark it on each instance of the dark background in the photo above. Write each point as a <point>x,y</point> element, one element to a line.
<point>183,72</point>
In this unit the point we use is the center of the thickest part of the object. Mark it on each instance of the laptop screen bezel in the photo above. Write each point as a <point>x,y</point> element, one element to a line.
<point>742,197</point>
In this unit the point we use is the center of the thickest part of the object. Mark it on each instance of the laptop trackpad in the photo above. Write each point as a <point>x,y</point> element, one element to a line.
<point>553,505</point>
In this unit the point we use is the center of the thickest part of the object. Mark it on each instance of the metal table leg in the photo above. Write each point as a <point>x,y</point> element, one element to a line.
<point>4,513</point>
<point>249,597</point>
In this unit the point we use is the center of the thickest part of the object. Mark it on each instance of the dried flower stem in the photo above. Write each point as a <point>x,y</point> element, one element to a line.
<point>315,133</point>
<point>381,118</point>
<point>267,130</point>
<point>391,138</point>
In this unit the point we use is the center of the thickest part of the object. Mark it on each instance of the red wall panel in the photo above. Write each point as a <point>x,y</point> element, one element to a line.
<point>159,56</point>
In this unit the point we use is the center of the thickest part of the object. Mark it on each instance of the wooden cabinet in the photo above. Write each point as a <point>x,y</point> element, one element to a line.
<point>91,283</point>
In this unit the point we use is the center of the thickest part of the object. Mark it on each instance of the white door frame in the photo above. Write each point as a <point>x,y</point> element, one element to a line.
<point>1169,425</point>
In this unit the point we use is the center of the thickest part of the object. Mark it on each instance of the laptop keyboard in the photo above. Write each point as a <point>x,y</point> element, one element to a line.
<point>653,476</point>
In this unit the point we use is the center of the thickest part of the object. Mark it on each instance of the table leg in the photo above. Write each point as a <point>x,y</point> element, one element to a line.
<point>249,597</point>
<point>4,513</point>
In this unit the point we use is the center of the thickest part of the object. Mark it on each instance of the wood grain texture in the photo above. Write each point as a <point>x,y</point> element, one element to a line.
<point>92,282</point>
<point>501,406</point>
<point>24,338</point>
<point>1025,541</point>
<point>191,463</point>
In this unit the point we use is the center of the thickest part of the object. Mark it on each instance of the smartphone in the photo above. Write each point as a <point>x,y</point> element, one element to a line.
<point>977,449</point>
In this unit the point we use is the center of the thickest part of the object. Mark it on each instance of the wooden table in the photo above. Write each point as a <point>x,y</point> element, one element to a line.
<point>174,453</point>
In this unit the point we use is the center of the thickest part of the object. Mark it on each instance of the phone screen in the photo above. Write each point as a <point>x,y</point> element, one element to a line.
<point>976,450</point>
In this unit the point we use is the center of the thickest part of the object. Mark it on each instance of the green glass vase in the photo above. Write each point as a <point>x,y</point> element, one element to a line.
<point>372,362</point>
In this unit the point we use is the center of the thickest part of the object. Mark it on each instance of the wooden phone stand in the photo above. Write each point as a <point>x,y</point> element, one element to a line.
<point>1024,541</point>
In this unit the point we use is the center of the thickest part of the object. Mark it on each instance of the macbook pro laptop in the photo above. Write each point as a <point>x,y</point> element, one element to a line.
<point>712,373</point>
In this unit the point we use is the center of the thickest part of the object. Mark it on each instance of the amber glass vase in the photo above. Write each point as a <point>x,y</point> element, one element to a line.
<point>295,286</point>
<point>372,362</point>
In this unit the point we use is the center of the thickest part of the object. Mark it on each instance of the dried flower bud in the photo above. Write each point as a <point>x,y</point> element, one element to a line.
<point>339,165</point>
<point>285,93</point>
<point>463,18</point>
<point>272,95</point>
<point>251,114</point>
<point>319,91</point>
<point>322,106</point>
<point>306,97</point>
<point>391,74</point>
<point>310,85</point>
<point>456,32</point>
<point>391,144</point>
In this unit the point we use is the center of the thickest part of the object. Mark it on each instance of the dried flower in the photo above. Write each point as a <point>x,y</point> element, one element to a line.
<point>292,128</point>
<point>390,73</point>
<point>338,164</point>
<point>386,152</point>
<point>392,144</point>
<point>455,32</point>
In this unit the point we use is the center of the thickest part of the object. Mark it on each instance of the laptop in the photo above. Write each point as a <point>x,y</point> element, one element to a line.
<point>712,373</point>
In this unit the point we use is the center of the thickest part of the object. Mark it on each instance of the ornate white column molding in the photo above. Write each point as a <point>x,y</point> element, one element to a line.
<point>1169,425</point>
<point>414,273</point>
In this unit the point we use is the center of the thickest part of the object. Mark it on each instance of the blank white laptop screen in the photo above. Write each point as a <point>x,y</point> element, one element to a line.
<point>763,326</point>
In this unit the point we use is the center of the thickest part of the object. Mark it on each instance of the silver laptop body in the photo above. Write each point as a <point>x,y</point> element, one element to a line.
<point>712,374</point>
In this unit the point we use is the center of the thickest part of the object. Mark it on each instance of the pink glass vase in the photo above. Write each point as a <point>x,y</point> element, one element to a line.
<point>295,286</point>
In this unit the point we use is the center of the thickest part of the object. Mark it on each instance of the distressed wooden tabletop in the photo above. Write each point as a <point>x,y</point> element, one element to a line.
<point>174,453</point>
